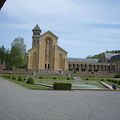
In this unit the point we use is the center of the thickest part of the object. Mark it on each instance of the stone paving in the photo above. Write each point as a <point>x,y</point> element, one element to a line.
<point>18,103</point>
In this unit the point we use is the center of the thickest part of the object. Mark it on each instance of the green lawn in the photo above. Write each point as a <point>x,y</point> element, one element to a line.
<point>104,79</point>
<point>24,84</point>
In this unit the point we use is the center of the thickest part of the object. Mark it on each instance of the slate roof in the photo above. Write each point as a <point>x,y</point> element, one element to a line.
<point>83,60</point>
<point>110,55</point>
<point>37,28</point>
<point>115,58</point>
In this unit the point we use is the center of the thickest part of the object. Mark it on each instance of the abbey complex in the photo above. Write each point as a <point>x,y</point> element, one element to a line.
<point>46,54</point>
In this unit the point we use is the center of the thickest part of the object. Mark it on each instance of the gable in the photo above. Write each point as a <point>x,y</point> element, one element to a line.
<point>49,34</point>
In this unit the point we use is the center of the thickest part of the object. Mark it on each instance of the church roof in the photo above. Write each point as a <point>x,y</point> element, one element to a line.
<point>61,49</point>
<point>83,60</point>
<point>37,28</point>
<point>50,33</point>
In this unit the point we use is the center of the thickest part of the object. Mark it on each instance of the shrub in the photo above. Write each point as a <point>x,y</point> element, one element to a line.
<point>54,78</point>
<point>102,79</point>
<point>86,79</point>
<point>67,78</point>
<point>30,81</point>
<point>13,78</point>
<point>6,76</point>
<point>74,71</point>
<point>119,82</point>
<point>20,79</point>
<point>40,77</point>
<point>62,86</point>
<point>117,76</point>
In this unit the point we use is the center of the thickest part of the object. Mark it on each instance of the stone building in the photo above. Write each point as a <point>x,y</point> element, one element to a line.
<point>88,65</point>
<point>45,52</point>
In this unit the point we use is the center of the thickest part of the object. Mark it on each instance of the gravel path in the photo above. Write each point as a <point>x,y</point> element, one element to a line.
<point>18,103</point>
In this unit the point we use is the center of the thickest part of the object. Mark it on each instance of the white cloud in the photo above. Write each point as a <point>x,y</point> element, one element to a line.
<point>20,8</point>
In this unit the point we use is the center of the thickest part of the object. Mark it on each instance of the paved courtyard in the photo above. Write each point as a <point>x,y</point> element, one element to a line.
<point>18,103</point>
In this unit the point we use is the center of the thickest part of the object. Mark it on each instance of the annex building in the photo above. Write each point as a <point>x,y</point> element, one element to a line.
<point>46,54</point>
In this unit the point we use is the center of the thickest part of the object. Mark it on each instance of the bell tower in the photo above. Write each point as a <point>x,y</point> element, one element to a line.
<point>36,35</point>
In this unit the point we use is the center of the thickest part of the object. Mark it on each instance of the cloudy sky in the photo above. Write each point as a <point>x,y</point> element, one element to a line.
<point>84,27</point>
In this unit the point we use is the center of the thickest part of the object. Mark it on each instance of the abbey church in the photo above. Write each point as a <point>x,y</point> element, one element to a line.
<point>45,52</point>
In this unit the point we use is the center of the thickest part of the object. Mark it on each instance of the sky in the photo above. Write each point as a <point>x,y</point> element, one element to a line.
<point>84,27</point>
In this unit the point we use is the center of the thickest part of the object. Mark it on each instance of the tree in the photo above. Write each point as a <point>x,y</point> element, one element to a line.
<point>19,43</point>
<point>17,55</point>
<point>2,55</point>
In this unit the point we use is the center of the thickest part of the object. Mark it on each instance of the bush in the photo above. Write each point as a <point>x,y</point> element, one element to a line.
<point>102,79</point>
<point>86,79</point>
<point>54,78</point>
<point>62,86</point>
<point>6,76</point>
<point>13,78</point>
<point>118,82</point>
<point>117,76</point>
<point>67,78</point>
<point>74,71</point>
<point>30,81</point>
<point>40,77</point>
<point>20,79</point>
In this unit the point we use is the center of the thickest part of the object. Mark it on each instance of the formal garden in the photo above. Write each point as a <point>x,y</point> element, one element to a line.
<point>48,82</point>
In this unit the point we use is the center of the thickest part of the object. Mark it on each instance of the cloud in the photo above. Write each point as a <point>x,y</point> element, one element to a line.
<point>40,7</point>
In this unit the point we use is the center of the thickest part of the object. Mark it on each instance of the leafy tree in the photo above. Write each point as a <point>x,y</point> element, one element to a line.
<point>2,55</point>
<point>18,53</point>
<point>19,43</point>
<point>101,55</point>
<point>15,57</point>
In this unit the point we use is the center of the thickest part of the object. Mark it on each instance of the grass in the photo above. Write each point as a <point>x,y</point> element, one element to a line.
<point>48,77</point>
<point>28,86</point>
<point>104,79</point>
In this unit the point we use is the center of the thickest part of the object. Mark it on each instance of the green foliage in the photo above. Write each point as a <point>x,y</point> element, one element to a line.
<point>54,78</point>
<point>3,53</point>
<point>40,77</point>
<point>30,81</point>
<point>101,55</point>
<point>86,79</point>
<point>13,78</point>
<point>6,76</point>
<point>16,59</point>
<point>68,78</point>
<point>117,76</point>
<point>102,79</point>
<point>62,86</point>
<point>20,79</point>
<point>119,82</point>
<point>97,56</point>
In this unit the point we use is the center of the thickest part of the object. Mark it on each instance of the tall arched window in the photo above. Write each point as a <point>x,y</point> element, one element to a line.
<point>47,53</point>
<point>34,61</point>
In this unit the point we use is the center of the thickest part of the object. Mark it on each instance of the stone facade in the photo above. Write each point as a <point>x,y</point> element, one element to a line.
<point>45,52</point>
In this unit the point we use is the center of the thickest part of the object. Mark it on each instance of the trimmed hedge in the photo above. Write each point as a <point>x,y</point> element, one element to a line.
<point>40,77</point>
<point>62,86</point>
<point>118,82</point>
<point>13,78</point>
<point>68,78</point>
<point>30,81</point>
<point>117,76</point>
<point>54,78</point>
<point>20,79</point>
